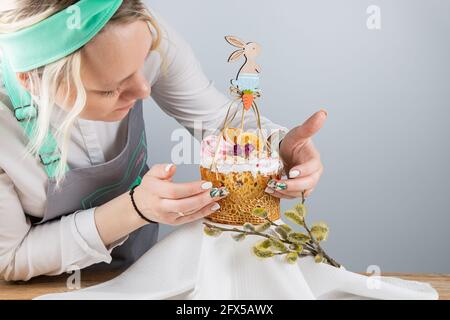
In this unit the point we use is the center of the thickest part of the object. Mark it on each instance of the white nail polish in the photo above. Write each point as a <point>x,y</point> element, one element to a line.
<point>207,185</point>
<point>294,173</point>
<point>167,168</point>
<point>269,190</point>
<point>215,207</point>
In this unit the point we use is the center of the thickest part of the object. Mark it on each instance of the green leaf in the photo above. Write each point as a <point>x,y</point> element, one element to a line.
<point>264,245</point>
<point>260,253</point>
<point>286,227</point>
<point>249,227</point>
<point>318,258</point>
<point>298,237</point>
<point>320,231</point>
<point>291,257</point>
<point>296,247</point>
<point>212,232</point>
<point>263,227</point>
<point>293,216</point>
<point>277,244</point>
<point>301,210</point>
<point>260,212</point>
<point>238,236</point>
<point>282,232</point>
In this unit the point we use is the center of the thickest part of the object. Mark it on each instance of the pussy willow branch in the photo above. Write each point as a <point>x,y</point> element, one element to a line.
<point>256,233</point>
<point>319,248</point>
<point>312,249</point>
<point>306,243</point>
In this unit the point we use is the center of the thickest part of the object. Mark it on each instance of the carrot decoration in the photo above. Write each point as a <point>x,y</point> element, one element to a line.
<point>247,99</point>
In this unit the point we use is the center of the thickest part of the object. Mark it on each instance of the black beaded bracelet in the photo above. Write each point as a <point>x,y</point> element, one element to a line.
<point>136,208</point>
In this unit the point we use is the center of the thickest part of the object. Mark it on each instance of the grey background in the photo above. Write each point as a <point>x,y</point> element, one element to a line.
<point>385,189</point>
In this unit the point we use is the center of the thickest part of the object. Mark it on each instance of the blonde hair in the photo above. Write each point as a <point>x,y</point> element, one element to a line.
<point>45,81</point>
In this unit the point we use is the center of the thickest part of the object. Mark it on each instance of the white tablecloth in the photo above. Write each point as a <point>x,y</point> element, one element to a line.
<point>187,264</point>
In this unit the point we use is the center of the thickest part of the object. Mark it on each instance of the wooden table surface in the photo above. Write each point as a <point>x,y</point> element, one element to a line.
<point>44,284</point>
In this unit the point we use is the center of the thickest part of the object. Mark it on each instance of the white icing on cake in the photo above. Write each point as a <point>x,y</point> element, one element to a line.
<point>264,166</point>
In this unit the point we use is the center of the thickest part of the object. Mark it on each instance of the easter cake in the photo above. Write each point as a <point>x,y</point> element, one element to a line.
<point>241,159</point>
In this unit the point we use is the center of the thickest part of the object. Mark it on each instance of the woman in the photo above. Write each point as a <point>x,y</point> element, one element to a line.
<point>73,138</point>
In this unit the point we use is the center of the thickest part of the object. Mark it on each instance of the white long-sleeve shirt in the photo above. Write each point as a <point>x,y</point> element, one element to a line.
<point>52,248</point>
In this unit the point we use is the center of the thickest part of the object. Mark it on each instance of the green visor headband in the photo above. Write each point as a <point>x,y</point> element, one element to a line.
<point>43,43</point>
<point>57,36</point>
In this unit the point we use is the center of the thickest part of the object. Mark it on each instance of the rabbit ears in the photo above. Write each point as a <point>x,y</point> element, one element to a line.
<point>236,55</point>
<point>235,41</point>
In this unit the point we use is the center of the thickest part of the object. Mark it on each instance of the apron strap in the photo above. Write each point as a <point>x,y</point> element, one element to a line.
<point>26,114</point>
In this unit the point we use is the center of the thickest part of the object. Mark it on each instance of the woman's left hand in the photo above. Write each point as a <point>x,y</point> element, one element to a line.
<point>301,160</point>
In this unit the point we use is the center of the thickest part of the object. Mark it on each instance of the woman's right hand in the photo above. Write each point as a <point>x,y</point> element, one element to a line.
<point>161,200</point>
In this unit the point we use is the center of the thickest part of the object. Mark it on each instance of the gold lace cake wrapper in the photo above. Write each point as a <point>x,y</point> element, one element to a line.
<point>246,189</point>
<point>246,192</point>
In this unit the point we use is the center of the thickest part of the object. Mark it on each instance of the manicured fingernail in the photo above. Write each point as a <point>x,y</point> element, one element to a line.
<point>218,192</point>
<point>167,168</point>
<point>272,183</point>
<point>277,185</point>
<point>206,185</point>
<point>269,190</point>
<point>325,112</point>
<point>294,173</point>
<point>281,186</point>
<point>215,207</point>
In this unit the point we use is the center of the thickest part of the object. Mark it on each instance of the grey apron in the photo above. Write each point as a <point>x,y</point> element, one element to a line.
<point>84,188</point>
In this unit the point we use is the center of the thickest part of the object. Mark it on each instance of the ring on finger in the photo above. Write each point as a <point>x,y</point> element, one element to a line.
<point>183,214</point>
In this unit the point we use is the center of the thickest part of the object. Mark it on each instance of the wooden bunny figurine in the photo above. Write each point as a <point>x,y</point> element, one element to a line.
<point>247,78</point>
